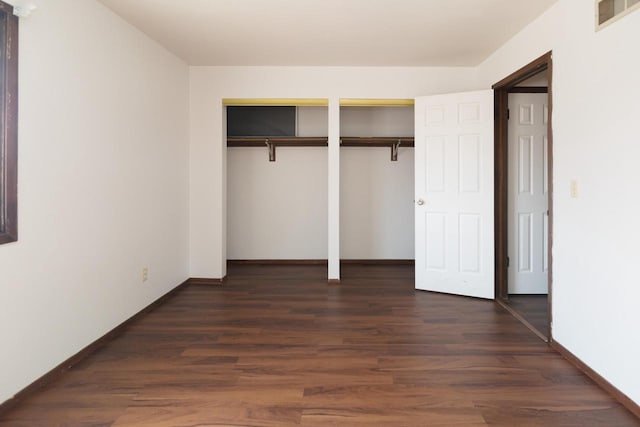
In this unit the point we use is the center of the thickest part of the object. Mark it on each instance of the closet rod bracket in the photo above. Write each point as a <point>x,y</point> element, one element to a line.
<point>394,150</point>
<point>272,150</point>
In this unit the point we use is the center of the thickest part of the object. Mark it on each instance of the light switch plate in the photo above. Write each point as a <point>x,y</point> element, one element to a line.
<point>573,189</point>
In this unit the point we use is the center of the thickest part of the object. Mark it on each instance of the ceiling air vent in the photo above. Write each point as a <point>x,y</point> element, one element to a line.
<point>608,11</point>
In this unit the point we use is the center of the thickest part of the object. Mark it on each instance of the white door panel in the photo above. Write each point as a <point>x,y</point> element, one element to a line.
<point>454,193</point>
<point>528,221</point>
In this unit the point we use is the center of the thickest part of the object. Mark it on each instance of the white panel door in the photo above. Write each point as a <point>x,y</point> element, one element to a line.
<point>528,201</point>
<point>454,193</point>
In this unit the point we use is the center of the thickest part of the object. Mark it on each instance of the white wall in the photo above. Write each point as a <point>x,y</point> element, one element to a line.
<point>376,204</point>
<point>376,121</point>
<point>277,210</point>
<point>596,128</point>
<point>209,85</point>
<point>102,185</point>
<point>312,121</point>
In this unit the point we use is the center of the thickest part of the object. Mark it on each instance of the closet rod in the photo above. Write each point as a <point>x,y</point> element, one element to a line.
<point>394,143</point>
<point>273,142</point>
<point>391,142</point>
<point>281,141</point>
<point>372,141</point>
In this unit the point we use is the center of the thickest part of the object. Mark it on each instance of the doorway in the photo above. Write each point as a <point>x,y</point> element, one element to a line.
<point>523,194</point>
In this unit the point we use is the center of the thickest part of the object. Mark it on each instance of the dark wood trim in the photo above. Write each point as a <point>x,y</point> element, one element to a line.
<point>501,105</point>
<point>333,281</point>
<point>501,162</point>
<point>524,321</point>
<point>277,261</point>
<point>6,8</point>
<point>204,281</point>
<point>625,400</point>
<point>9,127</point>
<point>379,261</point>
<point>59,370</point>
<point>529,89</point>
<point>536,66</point>
<point>549,58</point>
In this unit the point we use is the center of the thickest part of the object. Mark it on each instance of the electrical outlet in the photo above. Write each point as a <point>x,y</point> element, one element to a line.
<point>145,274</point>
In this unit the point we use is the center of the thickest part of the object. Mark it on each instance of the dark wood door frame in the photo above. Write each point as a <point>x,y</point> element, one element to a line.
<point>501,94</point>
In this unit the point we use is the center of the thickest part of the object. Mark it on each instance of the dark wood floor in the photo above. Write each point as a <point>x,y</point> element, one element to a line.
<point>276,346</point>
<point>534,308</point>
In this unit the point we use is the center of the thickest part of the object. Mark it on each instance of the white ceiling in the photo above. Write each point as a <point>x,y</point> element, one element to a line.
<point>331,32</point>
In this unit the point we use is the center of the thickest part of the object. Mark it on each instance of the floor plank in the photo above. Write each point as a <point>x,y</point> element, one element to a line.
<point>276,346</point>
<point>534,309</point>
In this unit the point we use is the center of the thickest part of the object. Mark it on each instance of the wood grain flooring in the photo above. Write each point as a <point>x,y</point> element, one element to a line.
<point>534,308</point>
<point>276,346</point>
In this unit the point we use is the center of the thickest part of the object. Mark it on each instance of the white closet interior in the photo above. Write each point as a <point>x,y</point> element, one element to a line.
<point>376,193</point>
<point>278,209</point>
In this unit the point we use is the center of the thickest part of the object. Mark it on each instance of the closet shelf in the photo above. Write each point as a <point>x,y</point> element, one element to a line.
<point>392,142</point>
<point>279,141</point>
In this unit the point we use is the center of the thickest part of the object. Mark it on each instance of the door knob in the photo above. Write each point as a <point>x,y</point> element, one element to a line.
<point>420,202</point>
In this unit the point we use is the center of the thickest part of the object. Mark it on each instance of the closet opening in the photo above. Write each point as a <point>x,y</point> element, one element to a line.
<point>277,186</point>
<point>376,182</point>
